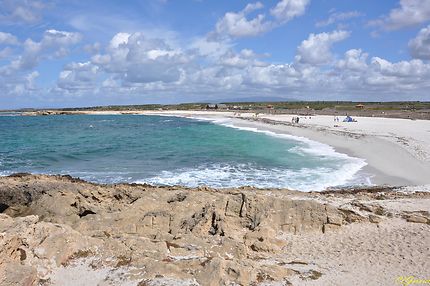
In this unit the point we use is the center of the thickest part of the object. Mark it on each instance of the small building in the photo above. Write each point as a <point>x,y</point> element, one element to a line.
<point>216,106</point>
<point>359,106</point>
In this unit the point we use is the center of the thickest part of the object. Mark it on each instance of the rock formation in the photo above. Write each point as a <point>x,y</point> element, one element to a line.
<point>146,235</point>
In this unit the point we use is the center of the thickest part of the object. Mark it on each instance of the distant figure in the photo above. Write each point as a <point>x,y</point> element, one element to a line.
<point>297,119</point>
<point>293,119</point>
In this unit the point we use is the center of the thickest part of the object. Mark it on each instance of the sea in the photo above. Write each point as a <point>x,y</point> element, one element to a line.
<point>164,150</point>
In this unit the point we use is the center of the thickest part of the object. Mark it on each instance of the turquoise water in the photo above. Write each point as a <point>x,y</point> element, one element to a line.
<point>167,151</point>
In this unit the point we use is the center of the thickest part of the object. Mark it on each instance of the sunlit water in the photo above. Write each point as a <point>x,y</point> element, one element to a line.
<point>169,151</point>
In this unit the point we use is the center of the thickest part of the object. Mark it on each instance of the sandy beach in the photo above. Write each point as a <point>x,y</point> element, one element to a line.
<point>397,151</point>
<point>59,230</point>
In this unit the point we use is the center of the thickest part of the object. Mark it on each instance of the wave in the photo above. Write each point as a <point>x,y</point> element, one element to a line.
<point>10,113</point>
<point>346,173</point>
<point>231,176</point>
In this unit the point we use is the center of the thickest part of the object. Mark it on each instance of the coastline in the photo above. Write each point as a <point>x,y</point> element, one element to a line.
<point>59,230</point>
<point>392,157</point>
<point>397,151</point>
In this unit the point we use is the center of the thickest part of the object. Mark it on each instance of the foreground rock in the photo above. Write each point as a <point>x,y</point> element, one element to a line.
<point>58,230</point>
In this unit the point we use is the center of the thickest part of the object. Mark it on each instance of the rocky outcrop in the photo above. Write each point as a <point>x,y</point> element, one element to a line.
<point>203,236</point>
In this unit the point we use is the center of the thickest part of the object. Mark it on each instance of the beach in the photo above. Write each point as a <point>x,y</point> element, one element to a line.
<point>397,151</point>
<point>63,230</point>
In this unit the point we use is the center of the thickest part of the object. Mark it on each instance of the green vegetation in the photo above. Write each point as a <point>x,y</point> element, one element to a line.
<point>280,106</point>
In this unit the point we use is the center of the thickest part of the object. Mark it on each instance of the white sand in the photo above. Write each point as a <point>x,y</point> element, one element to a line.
<point>397,150</point>
<point>364,253</point>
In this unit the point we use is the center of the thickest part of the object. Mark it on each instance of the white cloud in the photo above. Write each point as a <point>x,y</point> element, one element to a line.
<point>286,10</point>
<point>18,76</point>
<point>22,11</point>
<point>354,60</point>
<point>8,39</point>
<point>316,49</point>
<point>244,58</point>
<point>118,40</point>
<point>78,76</point>
<point>237,24</point>
<point>210,47</point>
<point>136,59</point>
<point>140,65</point>
<point>338,17</point>
<point>410,13</point>
<point>60,38</point>
<point>54,43</point>
<point>402,69</point>
<point>420,45</point>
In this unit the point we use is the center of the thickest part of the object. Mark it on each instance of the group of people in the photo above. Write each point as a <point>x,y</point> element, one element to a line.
<point>295,119</point>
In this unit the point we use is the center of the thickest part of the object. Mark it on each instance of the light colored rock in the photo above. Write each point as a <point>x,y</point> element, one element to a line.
<point>416,219</point>
<point>206,236</point>
<point>375,218</point>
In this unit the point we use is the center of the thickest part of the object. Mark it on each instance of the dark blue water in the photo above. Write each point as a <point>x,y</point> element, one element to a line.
<point>166,151</point>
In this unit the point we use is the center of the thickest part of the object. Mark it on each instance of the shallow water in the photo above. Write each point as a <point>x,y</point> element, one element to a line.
<point>168,151</point>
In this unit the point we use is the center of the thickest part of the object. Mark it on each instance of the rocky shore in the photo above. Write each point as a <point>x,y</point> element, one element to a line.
<point>58,230</point>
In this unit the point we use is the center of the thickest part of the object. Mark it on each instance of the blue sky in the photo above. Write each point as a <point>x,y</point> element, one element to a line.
<point>82,53</point>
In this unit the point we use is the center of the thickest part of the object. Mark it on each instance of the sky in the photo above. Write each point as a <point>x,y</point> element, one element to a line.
<point>72,53</point>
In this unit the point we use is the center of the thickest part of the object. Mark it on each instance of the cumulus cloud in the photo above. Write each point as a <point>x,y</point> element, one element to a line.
<point>354,60</point>
<point>78,76</point>
<point>316,49</point>
<point>241,25</point>
<point>136,64</point>
<point>402,69</point>
<point>410,13</point>
<point>53,43</point>
<point>420,45</point>
<point>237,24</point>
<point>286,10</point>
<point>18,75</point>
<point>145,65</point>
<point>130,60</point>
<point>244,58</point>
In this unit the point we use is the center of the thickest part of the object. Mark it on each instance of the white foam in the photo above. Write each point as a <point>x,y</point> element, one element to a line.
<point>226,176</point>
<point>317,179</point>
<point>313,147</point>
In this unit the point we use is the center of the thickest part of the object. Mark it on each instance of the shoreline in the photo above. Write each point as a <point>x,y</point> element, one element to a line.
<point>391,160</point>
<point>397,151</point>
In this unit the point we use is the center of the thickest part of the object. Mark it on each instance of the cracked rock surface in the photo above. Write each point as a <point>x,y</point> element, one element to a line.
<point>58,230</point>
